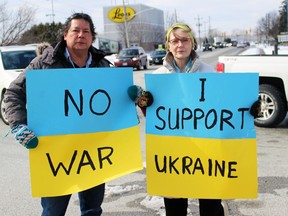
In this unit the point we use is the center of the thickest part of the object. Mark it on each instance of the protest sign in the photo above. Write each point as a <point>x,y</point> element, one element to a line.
<point>87,128</point>
<point>200,136</point>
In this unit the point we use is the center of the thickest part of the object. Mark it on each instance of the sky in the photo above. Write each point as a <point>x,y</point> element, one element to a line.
<point>223,15</point>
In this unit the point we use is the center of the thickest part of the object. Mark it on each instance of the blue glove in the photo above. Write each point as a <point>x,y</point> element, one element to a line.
<point>25,136</point>
<point>142,98</point>
<point>255,109</point>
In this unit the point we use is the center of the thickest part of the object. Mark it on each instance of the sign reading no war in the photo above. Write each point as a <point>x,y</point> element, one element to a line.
<point>87,128</point>
<point>200,136</point>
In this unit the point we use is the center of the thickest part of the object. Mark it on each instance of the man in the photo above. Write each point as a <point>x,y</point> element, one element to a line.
<point>74,50</point>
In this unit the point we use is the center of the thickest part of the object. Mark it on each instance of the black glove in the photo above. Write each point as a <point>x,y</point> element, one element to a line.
<point>142,98</point>
<point>255,109</point>
<point>25,136</point>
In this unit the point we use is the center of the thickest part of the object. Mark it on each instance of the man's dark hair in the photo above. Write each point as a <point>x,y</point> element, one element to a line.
<point>80,16</point>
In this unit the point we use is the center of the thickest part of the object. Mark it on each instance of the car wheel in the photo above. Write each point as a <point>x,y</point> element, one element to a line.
<point>2,113</point>
<point>273,106</point>
<point>145,66</point>
<point>138,67</point>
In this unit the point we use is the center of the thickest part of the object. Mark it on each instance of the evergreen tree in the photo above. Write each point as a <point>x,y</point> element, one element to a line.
<point>283,17</point>
<point>42,33</point>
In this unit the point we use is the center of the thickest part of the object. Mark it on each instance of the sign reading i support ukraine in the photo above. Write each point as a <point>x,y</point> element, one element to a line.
<point>200,136</point>
<point>87,128</point>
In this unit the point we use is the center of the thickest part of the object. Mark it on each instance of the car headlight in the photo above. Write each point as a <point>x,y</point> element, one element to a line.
<point>116,60</point>
<point>135,59</point>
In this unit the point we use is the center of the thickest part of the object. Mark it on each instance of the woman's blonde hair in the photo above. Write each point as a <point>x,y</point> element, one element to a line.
<point>185,28</point>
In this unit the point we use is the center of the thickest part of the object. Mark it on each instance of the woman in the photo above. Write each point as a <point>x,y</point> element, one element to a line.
<point>181,57</point>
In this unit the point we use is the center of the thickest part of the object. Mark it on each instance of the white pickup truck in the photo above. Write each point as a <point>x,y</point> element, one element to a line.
<point>273,83</point>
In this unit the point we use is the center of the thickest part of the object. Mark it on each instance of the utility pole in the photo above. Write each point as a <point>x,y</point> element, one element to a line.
<point>125,26</point>
<point>287,15</point>
<point>205,33</point>
<point>52,14</point>
<point>198,24</point>
<point>176,20</point>
<point>209,29</point>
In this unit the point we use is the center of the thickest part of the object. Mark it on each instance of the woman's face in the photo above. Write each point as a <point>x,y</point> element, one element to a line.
<point>180,44</point>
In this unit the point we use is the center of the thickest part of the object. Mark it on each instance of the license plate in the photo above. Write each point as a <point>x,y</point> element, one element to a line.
<point>124,64</point>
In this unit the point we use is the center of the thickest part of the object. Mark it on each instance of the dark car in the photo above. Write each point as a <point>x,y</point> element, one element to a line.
<point>132,57</point>
<point>207,47</point>
<point>157,56</point>
<point>218,45</point>
<point>234,43</point>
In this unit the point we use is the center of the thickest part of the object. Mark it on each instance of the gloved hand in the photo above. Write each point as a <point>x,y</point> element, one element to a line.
<point>142,98</point>
<point>25,136</point>
<point>255,109</point>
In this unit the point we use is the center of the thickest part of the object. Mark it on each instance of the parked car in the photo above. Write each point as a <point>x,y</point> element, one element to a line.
<point>241,45</point>
<point>132,57</point>
<point>13,60</point>
<point>234,43</point>
<point>207,47</point>
<point>273,82</point>
<point>218,45</point>
<point>111,58</point>
<point>156,57</point>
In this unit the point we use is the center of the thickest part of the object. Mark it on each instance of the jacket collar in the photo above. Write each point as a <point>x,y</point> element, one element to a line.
<point>168,63</point>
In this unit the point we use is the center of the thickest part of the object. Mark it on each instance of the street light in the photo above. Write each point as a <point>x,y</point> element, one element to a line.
<point>52,14</point>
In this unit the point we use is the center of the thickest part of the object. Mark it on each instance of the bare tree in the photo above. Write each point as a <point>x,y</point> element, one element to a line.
<point>170,19</point>
<point>142,34</point>
<point>12,25</point>
<point>122,31</point>
<point>269,25</point>
<point>137,34</point>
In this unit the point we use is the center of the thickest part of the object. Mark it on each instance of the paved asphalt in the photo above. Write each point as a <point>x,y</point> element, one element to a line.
<point>126,196</point>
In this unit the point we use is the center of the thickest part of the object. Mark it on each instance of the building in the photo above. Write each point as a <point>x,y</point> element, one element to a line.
<point>143,26</point>
<point>283,37</point>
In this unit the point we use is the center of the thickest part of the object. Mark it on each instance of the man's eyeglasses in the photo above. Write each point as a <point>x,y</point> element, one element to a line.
<point>175,41</point>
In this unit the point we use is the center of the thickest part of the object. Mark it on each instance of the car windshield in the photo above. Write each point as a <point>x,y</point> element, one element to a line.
<point>129,52</point>
<point>17,59</point>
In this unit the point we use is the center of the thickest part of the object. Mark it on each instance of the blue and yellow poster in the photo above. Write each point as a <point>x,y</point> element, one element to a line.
<point>200,136</point>
<point>87,128</point>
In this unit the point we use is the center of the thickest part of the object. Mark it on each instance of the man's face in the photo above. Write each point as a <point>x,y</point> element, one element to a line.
<point>79,36</point>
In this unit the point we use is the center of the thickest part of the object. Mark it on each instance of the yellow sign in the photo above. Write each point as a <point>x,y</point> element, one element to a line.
<point>66,164</point>
<point>211,168</point>
<point>118,14</point>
